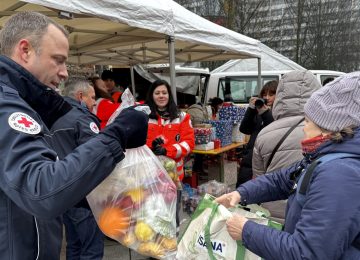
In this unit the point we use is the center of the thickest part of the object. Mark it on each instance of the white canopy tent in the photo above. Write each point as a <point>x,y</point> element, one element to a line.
<point>212,41</point>
<point>270,61</point>
<point>127,32</point>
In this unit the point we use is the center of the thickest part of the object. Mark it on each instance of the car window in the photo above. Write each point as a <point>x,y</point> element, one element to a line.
<point>327,78</point>
<point>239,89</point>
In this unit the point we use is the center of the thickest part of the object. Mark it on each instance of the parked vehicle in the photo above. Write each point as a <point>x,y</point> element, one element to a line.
<point>238,87</point>
<point>190,81</point>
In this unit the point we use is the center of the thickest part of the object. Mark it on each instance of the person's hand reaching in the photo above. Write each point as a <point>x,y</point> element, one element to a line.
<point>235,225</point>
<point>229,200</point>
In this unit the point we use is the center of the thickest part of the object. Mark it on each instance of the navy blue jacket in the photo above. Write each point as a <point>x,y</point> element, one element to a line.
<point>36,187</point>
<point>326,225</point>
<point>75,128</point>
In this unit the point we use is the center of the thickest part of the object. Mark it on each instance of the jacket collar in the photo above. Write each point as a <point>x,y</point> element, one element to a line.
<point>82,108</point>
<point>44,100</point>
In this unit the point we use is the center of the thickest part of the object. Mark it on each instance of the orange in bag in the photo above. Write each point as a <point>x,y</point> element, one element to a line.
<point>114,222</point>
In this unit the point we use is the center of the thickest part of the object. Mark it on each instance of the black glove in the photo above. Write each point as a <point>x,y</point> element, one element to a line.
<point>156,142</point>
<point>129,128</point>
<point>159,150</point>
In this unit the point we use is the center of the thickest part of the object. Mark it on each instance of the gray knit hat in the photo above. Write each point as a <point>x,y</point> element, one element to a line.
<point>336,105</point>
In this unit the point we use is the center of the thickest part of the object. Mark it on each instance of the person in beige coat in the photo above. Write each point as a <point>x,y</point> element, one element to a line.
<point>293,91</point>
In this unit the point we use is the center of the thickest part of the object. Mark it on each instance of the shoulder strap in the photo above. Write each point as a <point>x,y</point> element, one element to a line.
<point>304,183</point>
<point>325,158</point>
<point>281,141</point>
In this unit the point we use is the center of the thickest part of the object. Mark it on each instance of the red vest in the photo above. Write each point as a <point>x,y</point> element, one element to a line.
<point>178,136</point>
<point>103,109</point>
<point>116,96</point>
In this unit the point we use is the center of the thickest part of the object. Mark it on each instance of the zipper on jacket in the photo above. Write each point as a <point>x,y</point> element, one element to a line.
<point>38,239</point>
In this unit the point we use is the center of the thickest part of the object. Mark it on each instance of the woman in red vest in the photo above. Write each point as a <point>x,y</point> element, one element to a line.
<point>170,131</point>
<point>108,77</point>
<point>104,106</point>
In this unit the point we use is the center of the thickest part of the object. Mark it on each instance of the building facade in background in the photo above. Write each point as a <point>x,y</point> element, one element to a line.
<point>317,34</point>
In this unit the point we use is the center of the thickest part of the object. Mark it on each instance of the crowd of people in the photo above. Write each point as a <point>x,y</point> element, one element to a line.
<point>301,163</point>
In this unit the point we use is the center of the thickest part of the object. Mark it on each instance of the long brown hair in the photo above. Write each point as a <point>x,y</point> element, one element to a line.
<point>99,92</point>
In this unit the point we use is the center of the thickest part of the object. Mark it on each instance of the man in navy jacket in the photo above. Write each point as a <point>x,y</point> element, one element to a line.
<point>84,239</point>
<point>36,188</point>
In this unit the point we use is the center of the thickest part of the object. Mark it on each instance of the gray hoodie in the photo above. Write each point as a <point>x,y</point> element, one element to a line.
<point>292,93</point>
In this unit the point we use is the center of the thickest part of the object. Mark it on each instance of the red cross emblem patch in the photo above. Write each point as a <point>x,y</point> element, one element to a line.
<point>24,123</point>
<point>94,128</point>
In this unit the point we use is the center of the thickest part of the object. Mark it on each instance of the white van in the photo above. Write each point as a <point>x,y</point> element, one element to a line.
<point>243,85</point>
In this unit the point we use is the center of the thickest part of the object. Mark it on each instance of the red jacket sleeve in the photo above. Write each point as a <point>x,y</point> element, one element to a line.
<point>186,142</point>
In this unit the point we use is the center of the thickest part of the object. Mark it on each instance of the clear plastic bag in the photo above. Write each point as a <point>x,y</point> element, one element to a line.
<point>136,205</point>
<point>170,167</point>
<point>127,100</point>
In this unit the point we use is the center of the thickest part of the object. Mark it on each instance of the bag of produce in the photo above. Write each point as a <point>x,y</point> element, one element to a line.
<point>206,236</point>
<point>170,166</point>
<point>135,205</point>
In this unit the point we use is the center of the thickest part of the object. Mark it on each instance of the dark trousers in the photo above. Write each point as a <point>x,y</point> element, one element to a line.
<point>84,240</point>
<point>245,172</point>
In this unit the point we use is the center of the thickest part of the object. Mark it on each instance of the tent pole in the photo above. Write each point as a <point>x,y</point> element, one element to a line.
<point>259,74</point>
<point>132,81</point>
<point>171,45</point>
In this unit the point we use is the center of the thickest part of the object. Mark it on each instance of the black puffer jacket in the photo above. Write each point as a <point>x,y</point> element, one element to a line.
<point>251,125</point>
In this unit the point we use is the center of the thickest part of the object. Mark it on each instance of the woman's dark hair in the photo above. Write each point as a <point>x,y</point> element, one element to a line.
<point>100,93</point>
<point>269,87</point>
<point>171,107</point>
<point>214,102</point>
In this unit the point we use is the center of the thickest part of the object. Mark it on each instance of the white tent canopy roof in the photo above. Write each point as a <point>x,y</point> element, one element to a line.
<point>270,61</point>
<point>127,32</point>
<point>217,42</point>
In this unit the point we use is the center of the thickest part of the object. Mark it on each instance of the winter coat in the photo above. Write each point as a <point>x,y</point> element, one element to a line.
<point>36,187</point>
<point>178,135</point>
<point>251,124</point>
<point>326,225</point>
<point>75,128</point>
<point>291,95</point>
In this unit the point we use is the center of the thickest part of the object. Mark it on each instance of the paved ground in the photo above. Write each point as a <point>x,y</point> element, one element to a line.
<point>115,251</point>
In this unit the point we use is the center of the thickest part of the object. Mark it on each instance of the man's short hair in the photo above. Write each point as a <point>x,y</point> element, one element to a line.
<point>26,25</point>
<point>107,74</point>
<point>75,84</point>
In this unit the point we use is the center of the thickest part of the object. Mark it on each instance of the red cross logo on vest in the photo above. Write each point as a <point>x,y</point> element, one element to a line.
<point>22,122</point>
<point>25,122</point>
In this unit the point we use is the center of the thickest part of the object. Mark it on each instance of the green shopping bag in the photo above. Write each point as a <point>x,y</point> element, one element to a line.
<point>206,236</point>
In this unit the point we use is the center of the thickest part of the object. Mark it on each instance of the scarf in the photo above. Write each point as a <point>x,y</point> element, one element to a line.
<point>311,144</point>
<point>163,113</point>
